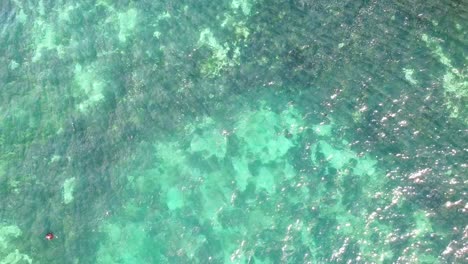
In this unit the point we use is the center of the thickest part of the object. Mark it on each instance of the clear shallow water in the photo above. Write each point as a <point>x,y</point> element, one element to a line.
<point>233,131</point>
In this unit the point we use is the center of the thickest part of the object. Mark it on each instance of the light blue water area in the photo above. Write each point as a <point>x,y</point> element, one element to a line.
<point>234,131</point>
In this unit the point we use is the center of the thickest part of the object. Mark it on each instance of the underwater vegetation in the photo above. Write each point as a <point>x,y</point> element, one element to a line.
<point>237,131</point>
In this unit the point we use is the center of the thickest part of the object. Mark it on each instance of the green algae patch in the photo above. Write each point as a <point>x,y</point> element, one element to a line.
<point>127,22</point>
<point>46,39</point>
<point>214,195</point>
<point>244,5</point>
<point>8,253</point>
<point>7,233</point>
<point>265,134</point>
<point>365,166</point>
<point>265,137</point>
<point>132,238</point>
<point>225,52</point>
<point>423,226</point>
<point>175,198</point>
<point>68,189</point>
<point>210,142</point>
<point>324,130</point>
<point>90,86</point>
<point>456,87</point>
<point>265,180</point>
<point>337,157</point>
<point>340,157</point>
<point>242,173</point>
<point>455,81</point>
<point>46,34</point>
<point>409,76</point>
<point>219,59</point>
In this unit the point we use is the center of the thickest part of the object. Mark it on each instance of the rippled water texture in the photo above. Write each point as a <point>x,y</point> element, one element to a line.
<point>233,131</point>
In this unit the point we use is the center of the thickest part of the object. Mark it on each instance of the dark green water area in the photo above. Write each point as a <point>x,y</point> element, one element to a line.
<point>233,131</point>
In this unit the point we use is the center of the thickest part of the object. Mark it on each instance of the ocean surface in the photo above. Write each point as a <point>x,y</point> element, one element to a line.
<point>233,131</point>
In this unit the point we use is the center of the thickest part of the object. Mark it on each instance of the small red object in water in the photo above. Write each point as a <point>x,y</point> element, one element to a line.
<point>49,236</point>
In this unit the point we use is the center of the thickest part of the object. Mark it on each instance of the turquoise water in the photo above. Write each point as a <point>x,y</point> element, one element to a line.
<point>233,131</point>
